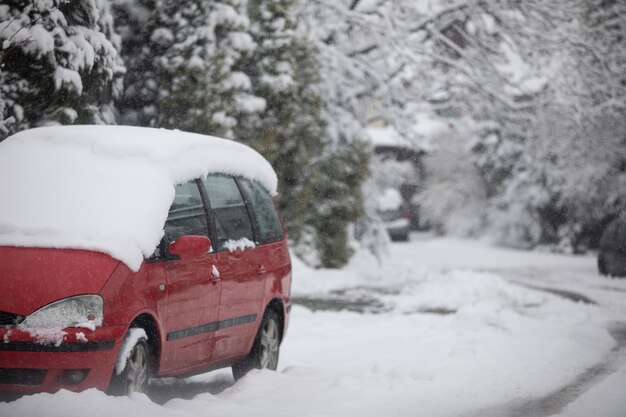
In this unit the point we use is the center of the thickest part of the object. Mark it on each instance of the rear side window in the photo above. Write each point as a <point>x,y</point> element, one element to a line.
<point>187,215</point>
<point>232,221</point>
<point>270,228</point>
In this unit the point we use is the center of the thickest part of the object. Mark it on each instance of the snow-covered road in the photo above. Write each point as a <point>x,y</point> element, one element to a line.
<point>444,328</point>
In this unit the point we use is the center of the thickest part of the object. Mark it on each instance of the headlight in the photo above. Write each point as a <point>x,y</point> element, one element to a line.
<point>78,311</point>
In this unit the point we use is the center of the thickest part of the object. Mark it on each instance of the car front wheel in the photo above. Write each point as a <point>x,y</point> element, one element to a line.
<point>136,373</point>
<point>265,351</point>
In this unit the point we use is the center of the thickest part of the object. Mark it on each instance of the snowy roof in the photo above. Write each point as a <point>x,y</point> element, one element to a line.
<point>387,136</point>
<point>389,199</point>
<point>107,188</point>
<point>428,125</point>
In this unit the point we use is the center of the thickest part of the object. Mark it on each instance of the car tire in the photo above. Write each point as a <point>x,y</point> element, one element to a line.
<point>136,373</point>
<point>266,347</point>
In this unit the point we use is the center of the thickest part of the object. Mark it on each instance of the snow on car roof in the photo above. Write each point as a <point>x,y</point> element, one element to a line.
<point>390,199</point>
<point>107,188</point>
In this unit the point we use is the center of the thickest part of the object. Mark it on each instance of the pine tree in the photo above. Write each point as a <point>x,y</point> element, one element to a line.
<point>289,131</point>
<point>184,74</point>
<point>319,188</point>
<point>139,88</point>
<point>59,63</point>
<point>338,201</point>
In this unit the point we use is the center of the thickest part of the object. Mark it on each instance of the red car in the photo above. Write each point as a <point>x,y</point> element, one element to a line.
<point>130,253</point>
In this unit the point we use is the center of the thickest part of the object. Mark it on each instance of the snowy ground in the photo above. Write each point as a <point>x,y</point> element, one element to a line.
<point>445,328</point>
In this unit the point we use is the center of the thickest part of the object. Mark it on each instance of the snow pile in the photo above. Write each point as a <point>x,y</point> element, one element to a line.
<point>463,292</point>
<point>417,261</point>
<point>107,188</point>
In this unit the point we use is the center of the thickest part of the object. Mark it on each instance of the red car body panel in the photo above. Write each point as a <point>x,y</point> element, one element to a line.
<point>34,277</point>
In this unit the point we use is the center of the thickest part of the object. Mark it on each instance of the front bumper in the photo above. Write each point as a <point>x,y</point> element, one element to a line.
<point>79,360</point>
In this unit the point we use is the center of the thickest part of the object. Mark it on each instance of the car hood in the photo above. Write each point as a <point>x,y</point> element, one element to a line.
<point>30,278</point>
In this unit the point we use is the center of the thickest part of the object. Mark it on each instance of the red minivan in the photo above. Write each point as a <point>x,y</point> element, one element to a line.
<point>130,253</point>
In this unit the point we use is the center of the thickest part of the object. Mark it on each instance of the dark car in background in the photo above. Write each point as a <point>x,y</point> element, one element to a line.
<point>612,254</point>
<point>394,212</point>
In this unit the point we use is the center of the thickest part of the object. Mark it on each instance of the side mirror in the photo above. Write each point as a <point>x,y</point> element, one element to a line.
<point>190,246</point>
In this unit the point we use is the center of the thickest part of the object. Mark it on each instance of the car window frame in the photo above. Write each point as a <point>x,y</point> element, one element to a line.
<point>211,214</point>
<point>161,253</point>
<point>253,213</point>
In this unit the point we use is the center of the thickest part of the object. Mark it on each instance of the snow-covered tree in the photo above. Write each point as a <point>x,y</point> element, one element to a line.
<point>452,200</point>
<point>338,201</point>
<point>59,63</point>
<point>540,78</point>
<point>183,64</point>
<point>289,131</point>
<point>556,172</point>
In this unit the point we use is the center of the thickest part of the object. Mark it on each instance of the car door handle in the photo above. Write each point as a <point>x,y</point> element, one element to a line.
<point>262,270</point>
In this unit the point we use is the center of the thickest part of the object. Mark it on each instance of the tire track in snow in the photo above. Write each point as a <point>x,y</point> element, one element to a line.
<point>554,402</point>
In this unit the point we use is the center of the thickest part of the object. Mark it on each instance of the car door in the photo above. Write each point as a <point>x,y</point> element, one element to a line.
<point>271,252</point>
<point>238,265</point>
<point>193,290</point>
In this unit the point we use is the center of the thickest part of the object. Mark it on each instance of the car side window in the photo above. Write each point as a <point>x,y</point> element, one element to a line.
<point>232,221</point>
<point>187,215</point>
<point>270,227</point>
